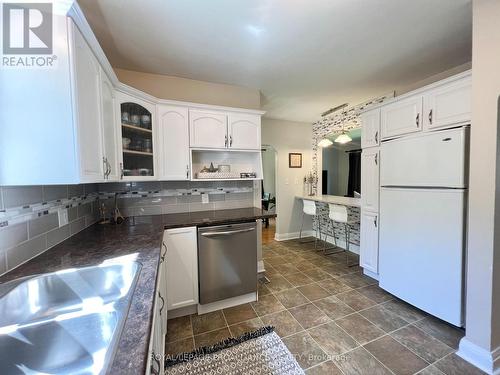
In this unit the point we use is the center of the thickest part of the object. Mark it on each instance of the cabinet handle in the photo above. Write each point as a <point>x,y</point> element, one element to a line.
<point>187,172</point>
<point>430,117</point>
<point>162,303</point>
<point>105,167</point>
<point>225,141</point>
<point>417,120</point>
<point>162,258</point>
<point>376,136</point>
<point>121,171</point>
<point>375,221</point>
<point>376,159</point>
<point>108,166</point>
<point>230,141</point>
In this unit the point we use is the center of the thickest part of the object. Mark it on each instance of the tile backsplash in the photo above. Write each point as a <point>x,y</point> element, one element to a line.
<point>29,223</point>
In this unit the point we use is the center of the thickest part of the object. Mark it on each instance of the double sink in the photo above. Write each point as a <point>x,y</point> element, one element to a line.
<point>66,322</point>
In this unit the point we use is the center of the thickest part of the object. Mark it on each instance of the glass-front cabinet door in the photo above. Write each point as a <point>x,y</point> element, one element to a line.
<point>137,131</point>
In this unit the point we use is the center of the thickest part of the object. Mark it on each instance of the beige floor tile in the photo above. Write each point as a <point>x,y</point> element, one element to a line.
<point>291,298</point>
<point>179,328</point>
<point>239,313</point>
<point>360,362</point>
<point>246,326</point>
<point>313,292</point>
<point>208,322</point>
<point>442,331</point>
<point>325,368</point>
<point>267,305</point>
<point>299,279</point>
<point>284,323</point>
<point>309,315</point>
<point>374,292</point>
<point>334,286</point>
<point>454,365</point>
<point>355,300</point>
<point>384,319</point>
<point>404,310</point>
<point>333,307</point>
<point>332,339</point>
<point>316,274</point>
<point>278,283</point>
<point>359,328</point>
<point>212,337</point>
<point>305,350</point>
<point>178,347</point>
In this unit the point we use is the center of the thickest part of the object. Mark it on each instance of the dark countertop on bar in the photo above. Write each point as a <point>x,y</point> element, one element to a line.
<point>142,236</point>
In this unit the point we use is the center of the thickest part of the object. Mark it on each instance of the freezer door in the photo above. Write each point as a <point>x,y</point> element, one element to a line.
<point>421,249</point>
<point>435,159</point>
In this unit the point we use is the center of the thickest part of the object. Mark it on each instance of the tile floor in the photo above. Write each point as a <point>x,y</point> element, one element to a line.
<point>332,318</point>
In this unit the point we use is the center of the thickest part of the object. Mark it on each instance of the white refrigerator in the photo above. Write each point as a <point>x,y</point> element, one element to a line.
<point>423,200</point>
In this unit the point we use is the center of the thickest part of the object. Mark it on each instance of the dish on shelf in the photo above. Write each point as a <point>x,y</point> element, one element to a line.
<point>220,175</point>
<point>126,142</point>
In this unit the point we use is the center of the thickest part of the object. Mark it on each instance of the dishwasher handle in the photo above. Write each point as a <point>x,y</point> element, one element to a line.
<point>226,233</point>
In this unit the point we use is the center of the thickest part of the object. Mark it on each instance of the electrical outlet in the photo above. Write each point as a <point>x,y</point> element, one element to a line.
<point>204,198</point>
<point>62,214</point>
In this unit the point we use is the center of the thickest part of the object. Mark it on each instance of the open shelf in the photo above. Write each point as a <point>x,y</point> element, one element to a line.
<point>239,162</point>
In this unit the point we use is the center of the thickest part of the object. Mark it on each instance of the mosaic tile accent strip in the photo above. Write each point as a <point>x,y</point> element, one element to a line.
<point>353,214</point>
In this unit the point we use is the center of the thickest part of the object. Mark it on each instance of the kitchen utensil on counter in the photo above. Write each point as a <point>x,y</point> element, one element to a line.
<point>117,216</point>
<point>126,142</point>
<point>224,168</point>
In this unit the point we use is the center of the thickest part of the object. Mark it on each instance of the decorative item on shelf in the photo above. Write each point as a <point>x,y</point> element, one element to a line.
<point>224,168</point>
<point>146,121</point>
<point>294,160</point>
<point>144,172</point>
<point>248,175</point>
<point>310,180</point>
<point>137,145</point>
<point>126,142</point>
<point>212,169</point>
<point>147,145</point>
<point>217,175</point>
<point>125,117</point>
<point>135,120</point>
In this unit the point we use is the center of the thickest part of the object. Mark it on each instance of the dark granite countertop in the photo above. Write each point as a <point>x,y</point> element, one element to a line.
<point>141,235</point>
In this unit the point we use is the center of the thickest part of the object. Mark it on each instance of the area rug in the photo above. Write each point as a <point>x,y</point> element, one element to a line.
<point>256,352</point>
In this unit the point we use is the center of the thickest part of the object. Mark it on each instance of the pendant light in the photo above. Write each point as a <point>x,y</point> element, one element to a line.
<point>325,142</point>
<point>343,136</point>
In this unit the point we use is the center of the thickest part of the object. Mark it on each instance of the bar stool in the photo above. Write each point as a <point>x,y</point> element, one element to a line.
<point>338,215</point>
<point>311,210</point>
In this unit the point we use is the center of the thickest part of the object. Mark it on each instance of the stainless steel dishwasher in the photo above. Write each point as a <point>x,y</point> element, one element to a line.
<point>227,261</point>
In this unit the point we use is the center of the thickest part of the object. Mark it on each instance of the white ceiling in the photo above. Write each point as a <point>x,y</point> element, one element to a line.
<point>305,56</point>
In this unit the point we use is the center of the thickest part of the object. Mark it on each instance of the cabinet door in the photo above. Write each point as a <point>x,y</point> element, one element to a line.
<point>448,105</point>
<point>182,267</point>
<point>173,131</point>
<point>109,128</point>
<point>207,129</point>
<point>137,142</point>
<point>370,174</point>
<point>370,124</point>
<point>401,117</point>
<point>87,79</point>
<point>244,131</point>
<point>368,255</point>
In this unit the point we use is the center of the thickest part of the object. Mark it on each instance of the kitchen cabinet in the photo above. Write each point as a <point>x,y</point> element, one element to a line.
<point>208,129</point>
<point>370,175</point>
<point>87,83</point>
<point>368,256</point>
<point>370,123</point>
<point>401,117</point>
<point>181,267</point>
<point>108,122</point>
<point>173,131</point>
<point>244,131</point>
<point>157,343</point>
<point>448,105</point>
<point>137,130</point>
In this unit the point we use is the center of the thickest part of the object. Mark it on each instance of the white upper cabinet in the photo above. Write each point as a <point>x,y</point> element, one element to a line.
<point>110,149</point>
<point>244,131</point>
<point>370,124</point>
<point>87,83</point>
<point>448,105</point>
<point>401,117</point>
<point>173,136</point>
<point>208,129</point>
<point>368,254</point>
<point>137,123</point>
<point>370,175</point>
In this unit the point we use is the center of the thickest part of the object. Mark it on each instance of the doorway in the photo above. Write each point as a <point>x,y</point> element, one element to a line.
<point>269,201</point>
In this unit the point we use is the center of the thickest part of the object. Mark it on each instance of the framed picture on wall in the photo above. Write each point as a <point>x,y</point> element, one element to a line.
<point>294,160</point>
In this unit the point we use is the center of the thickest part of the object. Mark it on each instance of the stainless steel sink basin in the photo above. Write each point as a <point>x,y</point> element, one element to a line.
<point>67,322</point>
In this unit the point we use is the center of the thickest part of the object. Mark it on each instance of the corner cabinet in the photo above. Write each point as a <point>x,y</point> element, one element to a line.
<point>173,142</point>
<point>181,267</point>
<point>137,129</point>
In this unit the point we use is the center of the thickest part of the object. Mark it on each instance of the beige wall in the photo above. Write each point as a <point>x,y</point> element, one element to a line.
<point>190,90</point>
<point>483,261</point>
<point>285,137</point>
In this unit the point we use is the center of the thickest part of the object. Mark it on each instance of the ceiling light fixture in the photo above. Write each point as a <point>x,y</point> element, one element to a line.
<point>325,142</point>
<point>343,138</point>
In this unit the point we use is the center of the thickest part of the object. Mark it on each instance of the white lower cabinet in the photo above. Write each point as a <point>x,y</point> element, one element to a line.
<point>181,267</point>
<point>368,256</point>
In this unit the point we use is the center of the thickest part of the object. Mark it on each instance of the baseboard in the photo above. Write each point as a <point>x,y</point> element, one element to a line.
<point>183,311</point>
<point>342,243</point>
<point>293,235</point>
<point>371,274</point>
<point>487,361</point>
<point>230,302</point>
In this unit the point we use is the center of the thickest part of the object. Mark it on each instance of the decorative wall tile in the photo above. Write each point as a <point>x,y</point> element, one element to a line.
<point>13,235</point>
<point>42,225</point>
<point>75,191</point>
<point>27,250</point>
<point>77,225</point>
<point>19,196</point>
<point>57,235</point>
<point>55,192</point>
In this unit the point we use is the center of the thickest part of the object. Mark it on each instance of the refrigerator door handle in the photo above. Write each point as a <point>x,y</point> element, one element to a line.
<point>375,221</point>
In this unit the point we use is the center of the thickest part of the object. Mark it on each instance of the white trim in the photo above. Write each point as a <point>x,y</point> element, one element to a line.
<point>371,274</point>
<point>293,235</point>
<point>421,90</point>
<point>224,304</point>
<point>182,311</point>
<point>487,361</point>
